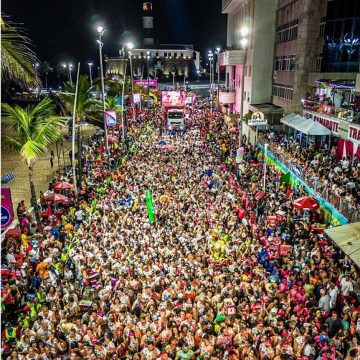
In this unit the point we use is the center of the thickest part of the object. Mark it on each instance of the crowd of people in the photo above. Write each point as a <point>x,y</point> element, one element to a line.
<point>226,270</point>
<point>336,179</point>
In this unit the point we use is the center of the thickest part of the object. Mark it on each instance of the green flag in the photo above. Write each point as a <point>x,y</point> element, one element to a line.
<point>285,178</point>
<point>150,206</point>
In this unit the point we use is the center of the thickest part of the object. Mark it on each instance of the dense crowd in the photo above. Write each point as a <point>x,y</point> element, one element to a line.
<point>339,178</point>
<point>224,272</point>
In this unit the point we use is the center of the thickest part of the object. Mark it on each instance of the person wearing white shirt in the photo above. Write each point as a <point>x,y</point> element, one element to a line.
<point>333,293</point>
<point>346,285</point>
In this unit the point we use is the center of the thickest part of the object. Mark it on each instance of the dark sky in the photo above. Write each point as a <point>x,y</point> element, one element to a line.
<point>65,30</point>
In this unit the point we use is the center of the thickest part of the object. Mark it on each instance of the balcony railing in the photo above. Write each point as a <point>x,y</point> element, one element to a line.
<point>341,113</point>
<point>226,96</point>
<point>231,57</point>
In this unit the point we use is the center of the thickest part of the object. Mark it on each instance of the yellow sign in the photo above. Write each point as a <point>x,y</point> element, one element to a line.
<point>258,115</point>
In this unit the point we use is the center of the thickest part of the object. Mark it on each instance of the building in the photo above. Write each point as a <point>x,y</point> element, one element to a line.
<point>256,61</point>
<point>164,61</point>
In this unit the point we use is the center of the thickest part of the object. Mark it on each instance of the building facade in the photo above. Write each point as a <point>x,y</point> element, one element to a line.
<point>258,16</point>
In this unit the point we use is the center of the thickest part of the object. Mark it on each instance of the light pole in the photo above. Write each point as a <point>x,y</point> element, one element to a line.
<point>264,184</point>
<point>147,61</point>
<point>101,31</point>
<point>244,41</point>
<point>130,46</point>
<point>185,76</point>
<point>69,68</point>
<point>90,72</point>
<point>217,52</point>
<point>173,75</point>
<point>198,75</point>
<point>211,58</point>
<point>122,109</point>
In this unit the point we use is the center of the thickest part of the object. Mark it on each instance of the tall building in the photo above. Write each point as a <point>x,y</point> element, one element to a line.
<point>164,61</point>
<point>259,17</point>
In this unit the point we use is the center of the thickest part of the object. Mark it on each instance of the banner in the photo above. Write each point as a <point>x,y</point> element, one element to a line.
<point>173,98</point>
<point>110,116</point>
<point>150,206</point>
<point>7,212</point>
<point>150,83</point>
<point>297,170</point>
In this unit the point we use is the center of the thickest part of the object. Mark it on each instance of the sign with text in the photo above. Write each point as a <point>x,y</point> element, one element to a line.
<point>330,123</point>
<point>150,83</point>
<point>7,212</point>
<point>354,133</point>
<point>173,98</point>
<point>110,116</point>
<point>257,122</point>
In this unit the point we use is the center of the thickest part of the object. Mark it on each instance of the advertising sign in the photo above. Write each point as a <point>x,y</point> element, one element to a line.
<point>257,119</point>
<point>173,98</point>
<point>354,133</point>
<point>150,83</point>
<point>110,116</point>
<point>327,121</point>
<point>7,212</point>
<point>137,98</point>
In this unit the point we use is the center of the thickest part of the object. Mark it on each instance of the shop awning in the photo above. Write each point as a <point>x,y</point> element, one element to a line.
<point>347,238</point>
<point>304,125</point>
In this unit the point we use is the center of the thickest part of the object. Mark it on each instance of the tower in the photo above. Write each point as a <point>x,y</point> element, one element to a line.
<point>148,24</point>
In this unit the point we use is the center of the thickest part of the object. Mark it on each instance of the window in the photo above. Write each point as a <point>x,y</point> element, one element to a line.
<point>181,54</point>
<point>318,62</point>
<point>282,91</point>
<point>175,54</point>
<point>285,63</point>
<point>157,54</point>
<point>287,32</point>
<point>165,54</point>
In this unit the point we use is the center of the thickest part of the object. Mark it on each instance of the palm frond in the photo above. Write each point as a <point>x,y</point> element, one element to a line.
<point>11,143</point>
<point>31,150</point>
<point>17,59</point>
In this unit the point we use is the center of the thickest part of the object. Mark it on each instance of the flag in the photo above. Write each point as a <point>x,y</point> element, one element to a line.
<point>150,206</point>
<point>285,178</point>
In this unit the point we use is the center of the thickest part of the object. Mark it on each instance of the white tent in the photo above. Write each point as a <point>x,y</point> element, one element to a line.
<point>304,125</point>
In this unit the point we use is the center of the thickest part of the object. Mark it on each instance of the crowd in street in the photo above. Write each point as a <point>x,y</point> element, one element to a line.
<point>226,270</point>
<point>339,178</point>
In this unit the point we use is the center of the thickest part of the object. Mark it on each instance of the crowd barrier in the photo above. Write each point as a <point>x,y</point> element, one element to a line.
<point>330,213</point>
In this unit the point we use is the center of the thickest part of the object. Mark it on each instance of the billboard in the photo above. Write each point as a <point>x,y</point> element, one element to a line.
<point>7,211</point>
<point>150,83</point>
<point>110,116</point>
<point>173,98</point>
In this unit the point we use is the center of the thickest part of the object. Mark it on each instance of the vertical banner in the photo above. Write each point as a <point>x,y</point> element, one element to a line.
<point>150,206</point>
<point>7,212</point>
<point>110,116</point>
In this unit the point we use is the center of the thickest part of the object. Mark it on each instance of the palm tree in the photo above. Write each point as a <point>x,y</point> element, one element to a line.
<point>17,59</point>
<point>35,129</point>
<point>45,68</point>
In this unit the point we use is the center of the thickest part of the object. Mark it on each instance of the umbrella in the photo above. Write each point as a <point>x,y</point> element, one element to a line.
<point>62,185</point>
<point>168,147</point>
<point>306,202</point>
<point>56,198</point>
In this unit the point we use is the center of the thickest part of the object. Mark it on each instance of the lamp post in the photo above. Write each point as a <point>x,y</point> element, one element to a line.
<point>264,183</point>
<point>217,52</point>
<point>90,72</point>
<point>198,75</point>
<point>211,58</point>
<point>101,31</point>
<point>147,62</point>
<point>122,109</point>
<point>69,68</point>
<point>130,46</point>
<point>185,76</point>
<point>244,41</point>
<point>173,75</point>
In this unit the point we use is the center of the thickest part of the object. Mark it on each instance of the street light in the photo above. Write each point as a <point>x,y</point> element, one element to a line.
<point>147,60</point>
<point>244,42</point>
<point>90,72</point>
<point>217,52</point>
<point>198,75</point>
<point>69,68</point>
<point>101,32</point>
<point>211,58</point>
<point>130,46</point>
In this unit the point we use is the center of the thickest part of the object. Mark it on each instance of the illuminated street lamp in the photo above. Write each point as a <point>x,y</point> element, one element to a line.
<point>147,61</point>
<point>69,68</point>
<point>244,31</point>
<point>130,46</point>
<point>90,72</point>
<point>211,58</point>
<point>101,31</point>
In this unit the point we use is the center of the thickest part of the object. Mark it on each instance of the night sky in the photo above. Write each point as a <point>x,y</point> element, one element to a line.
<point>65,30</point>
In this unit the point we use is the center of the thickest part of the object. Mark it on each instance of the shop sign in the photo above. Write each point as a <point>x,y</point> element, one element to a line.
<point>257,119</point>
<point>354,133</point>
<point>7,212</point>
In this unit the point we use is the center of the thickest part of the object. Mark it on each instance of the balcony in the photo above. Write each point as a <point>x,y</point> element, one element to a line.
<point>226,97</point>
<point>231,57</point>
<point>341,113</point>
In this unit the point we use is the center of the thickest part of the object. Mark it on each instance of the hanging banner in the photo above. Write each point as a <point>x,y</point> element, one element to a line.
<point>7,211</point>
<point>354,133</point>
<point>147,83</point>
<point>110,116</point>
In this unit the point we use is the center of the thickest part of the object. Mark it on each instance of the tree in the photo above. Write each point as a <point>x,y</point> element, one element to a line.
<point>35,129</point>
<point>17,59</point>
<point>86,104</point>
<point>45,68</point>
